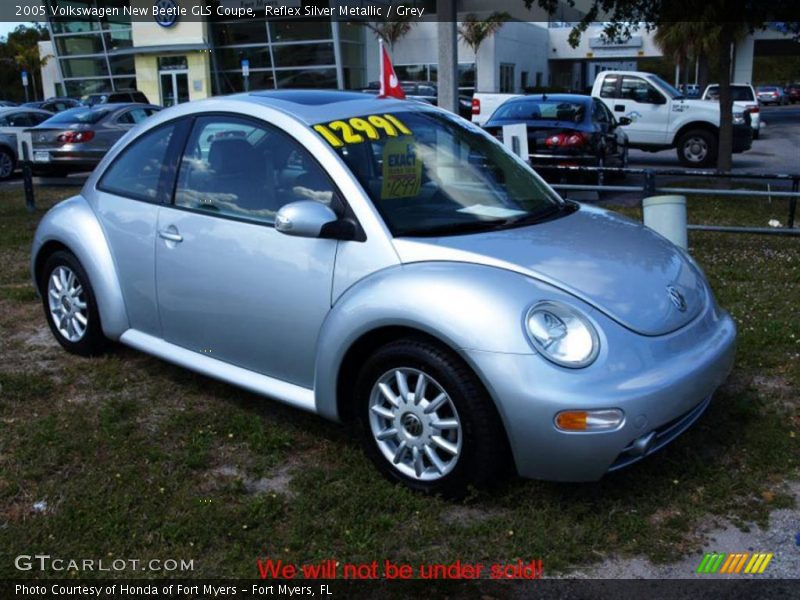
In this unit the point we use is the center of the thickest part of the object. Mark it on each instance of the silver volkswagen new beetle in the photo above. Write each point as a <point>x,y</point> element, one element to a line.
<point>385,263</point>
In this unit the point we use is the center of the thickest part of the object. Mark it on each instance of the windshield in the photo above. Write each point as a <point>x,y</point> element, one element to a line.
<point>541,110</point>
<point>665,87</point>
<point>81,114</point>
<point>432,174</point>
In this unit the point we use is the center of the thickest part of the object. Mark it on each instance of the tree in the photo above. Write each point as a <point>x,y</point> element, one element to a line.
<point>21,49</point>
<point>391,31</point>
<point>473,32</point>
<point>730,18</point>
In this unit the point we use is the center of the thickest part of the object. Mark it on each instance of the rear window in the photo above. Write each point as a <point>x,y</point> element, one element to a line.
<point>79,115</point>
<point>542,110</point>
<point>740,93</point>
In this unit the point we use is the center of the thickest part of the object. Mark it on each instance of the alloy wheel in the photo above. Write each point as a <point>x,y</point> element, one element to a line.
<point>67,303</point>
<point>415,424</point>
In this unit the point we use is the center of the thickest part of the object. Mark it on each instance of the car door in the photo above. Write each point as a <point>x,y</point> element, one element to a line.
<point>648,109</point>
<point>604,125</point>
<point>229,285</point>
<point>127,198</point>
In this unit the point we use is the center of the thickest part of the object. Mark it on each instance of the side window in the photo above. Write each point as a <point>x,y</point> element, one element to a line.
<point>638,90</point>
<point>37,118</point>
<point>20,120</point>
<point>137,171</point>
<point>244,169</point>
<point>132,117</point>
<point>609,87</point>
<point>599,113</point>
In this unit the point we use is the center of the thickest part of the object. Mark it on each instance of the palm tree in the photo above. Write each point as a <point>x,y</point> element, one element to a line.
<point>27,58</point>
<point>391,31</point>
<point>473,32</point>
<point>685,40</point>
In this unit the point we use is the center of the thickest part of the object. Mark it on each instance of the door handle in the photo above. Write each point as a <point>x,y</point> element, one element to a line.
<point>171,235</point>
<point>619,108</point>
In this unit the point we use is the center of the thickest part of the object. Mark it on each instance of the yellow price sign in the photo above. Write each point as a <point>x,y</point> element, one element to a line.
<point>356,130</point>
<point>402,169</point>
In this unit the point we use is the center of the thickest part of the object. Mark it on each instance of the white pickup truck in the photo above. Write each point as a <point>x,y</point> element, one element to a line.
<point>662,118</point>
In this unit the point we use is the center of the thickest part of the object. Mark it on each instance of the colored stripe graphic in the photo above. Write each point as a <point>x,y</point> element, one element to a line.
<point>735,562</point>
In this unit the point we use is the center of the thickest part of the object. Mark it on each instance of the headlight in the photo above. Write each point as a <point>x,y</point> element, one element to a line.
<point>562,335</point>
<point>738,119</point>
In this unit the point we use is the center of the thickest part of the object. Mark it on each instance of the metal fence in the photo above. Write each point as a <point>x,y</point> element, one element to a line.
<point>650,187</point>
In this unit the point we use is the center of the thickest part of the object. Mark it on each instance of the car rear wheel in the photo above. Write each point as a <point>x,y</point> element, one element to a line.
<point>697,148</point>
<point>7,164</point>
<point>426,421</point>
<point>70,306</point>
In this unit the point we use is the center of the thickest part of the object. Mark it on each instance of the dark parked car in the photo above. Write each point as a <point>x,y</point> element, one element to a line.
<point>14,120</point>
<point>7,103</point>
<point>792,92</point>
<point>119,96</point>
<point>565,130</point>
<point>78,138</point>
<point>54,105</point>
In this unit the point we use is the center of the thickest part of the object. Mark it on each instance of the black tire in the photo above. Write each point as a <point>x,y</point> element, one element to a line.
<point>7,164</point>
<point>483,448</point>
<point>92,341</point>
<point>692,143</point>
<point>756,133</point>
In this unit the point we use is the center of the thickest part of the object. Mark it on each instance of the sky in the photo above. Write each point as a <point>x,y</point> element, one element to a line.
<point>6,27</point>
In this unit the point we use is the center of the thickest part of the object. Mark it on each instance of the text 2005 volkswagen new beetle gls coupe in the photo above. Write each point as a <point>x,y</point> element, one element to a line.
<point>386,263</point>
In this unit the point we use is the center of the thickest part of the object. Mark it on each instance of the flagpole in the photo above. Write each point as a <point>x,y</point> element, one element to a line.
<point>381,91</point>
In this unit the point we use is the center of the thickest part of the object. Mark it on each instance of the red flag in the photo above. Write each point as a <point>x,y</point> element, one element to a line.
<point>390,86</point>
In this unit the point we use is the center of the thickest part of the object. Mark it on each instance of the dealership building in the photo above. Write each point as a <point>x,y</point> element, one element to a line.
<point>176,60</point>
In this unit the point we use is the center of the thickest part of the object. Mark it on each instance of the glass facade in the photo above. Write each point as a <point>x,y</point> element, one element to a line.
<point>287,54</point>
<point>86,50</point>
<point>97,55</point>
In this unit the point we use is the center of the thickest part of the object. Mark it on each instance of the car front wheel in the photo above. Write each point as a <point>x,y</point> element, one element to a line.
<point>426,421</point>
<point>697,148</point>
<point>70,306</point>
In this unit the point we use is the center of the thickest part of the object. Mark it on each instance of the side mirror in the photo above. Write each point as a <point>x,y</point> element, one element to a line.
<point>624,121</point>
<point>305,218</point>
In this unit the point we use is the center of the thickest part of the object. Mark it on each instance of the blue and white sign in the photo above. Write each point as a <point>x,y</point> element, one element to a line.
<point>165,12</point>
<point>25,78</point>
<point>245,67</point>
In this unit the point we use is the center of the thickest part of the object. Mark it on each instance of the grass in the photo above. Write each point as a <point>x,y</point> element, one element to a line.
<point>136,458</point>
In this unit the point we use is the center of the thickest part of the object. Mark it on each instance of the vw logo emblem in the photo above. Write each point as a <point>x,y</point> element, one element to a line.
<point>676,298</point>
<point>412,424</point>
<point>167,13</point>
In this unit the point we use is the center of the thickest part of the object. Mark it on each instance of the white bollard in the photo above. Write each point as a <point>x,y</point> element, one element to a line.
<point>667,215</point>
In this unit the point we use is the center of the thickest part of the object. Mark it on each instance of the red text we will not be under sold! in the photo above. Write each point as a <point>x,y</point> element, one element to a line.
<point>333,569</point>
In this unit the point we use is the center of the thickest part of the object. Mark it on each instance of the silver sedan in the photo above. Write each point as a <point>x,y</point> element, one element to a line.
<point>78,138</point>
<point>387,264</point>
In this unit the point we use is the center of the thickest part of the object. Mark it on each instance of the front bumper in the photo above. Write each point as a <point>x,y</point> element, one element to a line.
<point>663,386</point>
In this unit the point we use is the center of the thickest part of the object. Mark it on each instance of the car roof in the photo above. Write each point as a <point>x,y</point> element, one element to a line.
<point>314,106</point>
<point>4,110</point>
<point>554,97</point>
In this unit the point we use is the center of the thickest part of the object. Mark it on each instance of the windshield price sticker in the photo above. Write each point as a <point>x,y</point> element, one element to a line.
<point>402,170</point>
<point>357,130</point>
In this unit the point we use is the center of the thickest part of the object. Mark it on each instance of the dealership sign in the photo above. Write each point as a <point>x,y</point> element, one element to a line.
<point>165,12</point>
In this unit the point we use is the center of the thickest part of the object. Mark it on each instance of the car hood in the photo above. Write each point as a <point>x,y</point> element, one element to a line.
<point>617,265</point>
